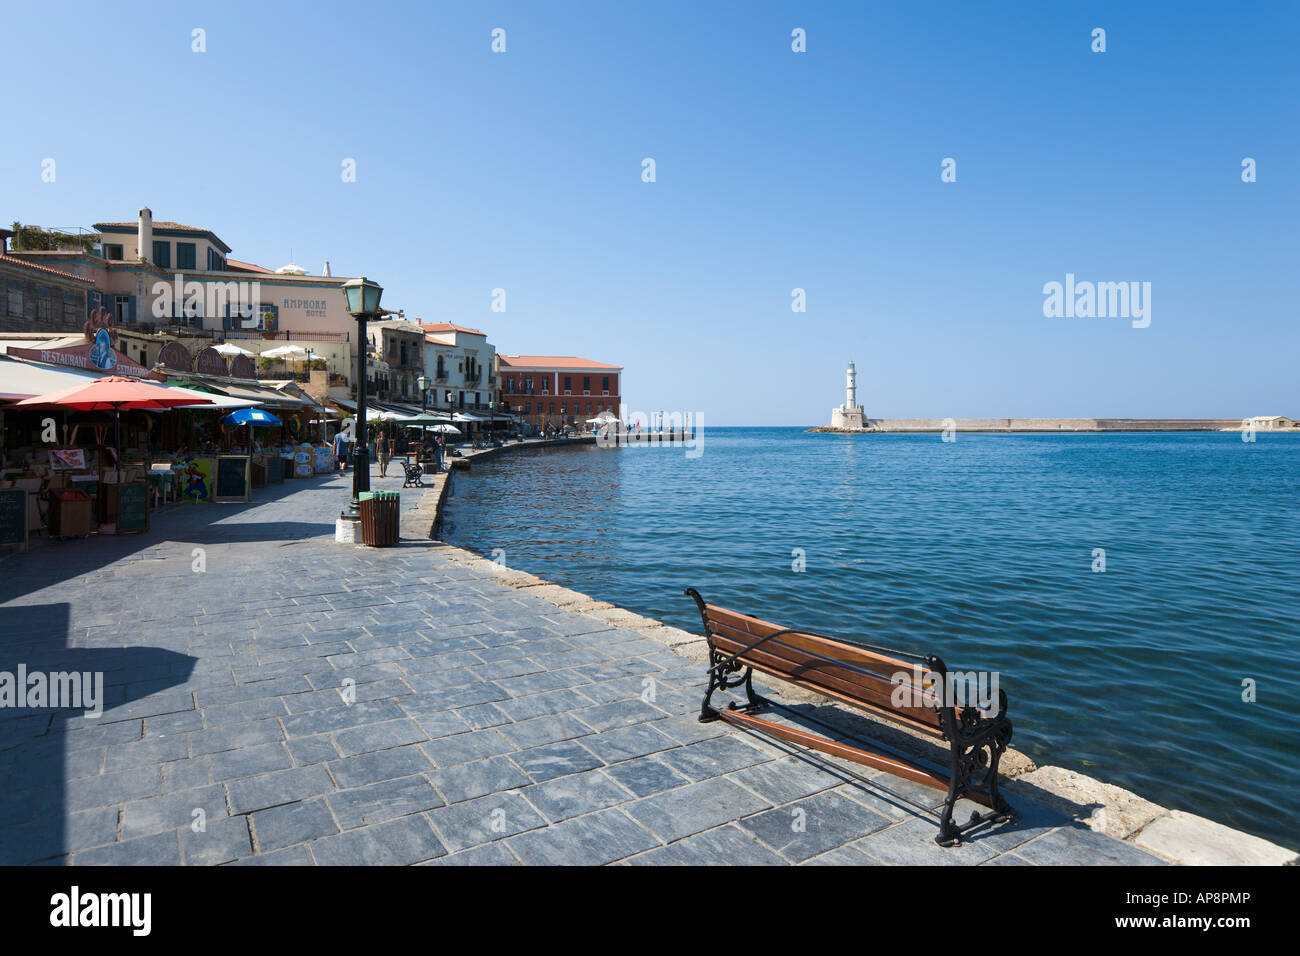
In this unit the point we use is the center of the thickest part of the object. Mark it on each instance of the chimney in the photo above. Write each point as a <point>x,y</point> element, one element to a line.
<point>326,270</point>
<point>145,238</point>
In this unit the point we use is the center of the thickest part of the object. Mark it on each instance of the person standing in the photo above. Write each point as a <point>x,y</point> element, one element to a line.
<point>341,451</point>
<point>437,453</point>
<point>384,450</point>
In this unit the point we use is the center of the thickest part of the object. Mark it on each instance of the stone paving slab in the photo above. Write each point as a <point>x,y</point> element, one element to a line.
<point>305,702</point>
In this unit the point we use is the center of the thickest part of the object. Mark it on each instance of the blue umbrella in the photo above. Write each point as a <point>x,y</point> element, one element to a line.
<point>250,416</point>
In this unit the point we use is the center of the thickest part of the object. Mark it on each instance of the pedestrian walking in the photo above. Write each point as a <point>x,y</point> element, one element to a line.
<point>341,451</point>
<point>384,450</point>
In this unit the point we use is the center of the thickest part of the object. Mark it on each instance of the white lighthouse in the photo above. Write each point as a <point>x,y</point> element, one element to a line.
<point>850,414</point>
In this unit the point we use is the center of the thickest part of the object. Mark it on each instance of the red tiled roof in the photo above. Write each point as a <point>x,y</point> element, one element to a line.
<point>57,272</point>
<point>157,224</point>
<point>553,361</point>
<point>247,266</point>
<point>448,327</point>
<point>166,226</point>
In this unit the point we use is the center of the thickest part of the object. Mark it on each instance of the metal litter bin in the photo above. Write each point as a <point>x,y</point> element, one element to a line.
<point>379,518</point>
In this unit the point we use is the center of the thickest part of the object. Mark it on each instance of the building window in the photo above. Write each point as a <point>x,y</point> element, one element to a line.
<point>44,305</point>
<point>15,298</point>
<point>568,385</point>
<point>121,308</point>
<point>113,251</point>
<point>586,385</point>
<point>162,254</point>
<point>70,308</point>
<point>186,256</point>
<point>605,385</point>
<point>552,408</point>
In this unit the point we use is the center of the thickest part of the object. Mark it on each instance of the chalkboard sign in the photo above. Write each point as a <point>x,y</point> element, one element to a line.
<point>132,508</point>
<point>233,482</point>
<point>13,516</point>
<point>274,468</point>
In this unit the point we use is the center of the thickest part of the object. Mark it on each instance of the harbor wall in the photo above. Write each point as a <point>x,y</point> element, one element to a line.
<point>1056,425</point>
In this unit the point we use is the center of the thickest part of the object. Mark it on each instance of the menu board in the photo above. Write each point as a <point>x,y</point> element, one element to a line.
<point>13,516</point>
<point>196,479</point>
<point>274,468</point>
<point>67,458</point>
<point>232,480</point>
<point>132,507</point>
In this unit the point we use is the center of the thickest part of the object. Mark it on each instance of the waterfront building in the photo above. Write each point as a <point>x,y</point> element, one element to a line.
<point>41,298</point>
<point>460,364</point>
<point>558,389</point>
<point>178,282</point>
<point>395,360</point>
<point>850,414</point>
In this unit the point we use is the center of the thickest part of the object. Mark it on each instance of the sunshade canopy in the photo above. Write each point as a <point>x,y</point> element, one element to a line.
<point>112,393</point>
<point>286,352</point>
<point>251,416</point>
<point>226,348</point>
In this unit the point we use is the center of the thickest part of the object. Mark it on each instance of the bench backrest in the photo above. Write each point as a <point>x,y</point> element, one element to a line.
<point>858,676</point>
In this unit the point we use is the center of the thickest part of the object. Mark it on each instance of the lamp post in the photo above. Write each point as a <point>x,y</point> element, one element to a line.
<point>423,383</point>
<point>363,304</point>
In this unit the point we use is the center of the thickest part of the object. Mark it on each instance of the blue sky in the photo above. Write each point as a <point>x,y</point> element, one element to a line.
<point>775,170</point>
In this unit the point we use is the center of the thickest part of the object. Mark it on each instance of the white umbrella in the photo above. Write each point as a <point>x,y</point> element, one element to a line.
<point>603,418</point>
<point>445,429</point>
<point>286,352</point>
<point>465,417</point>
<point>226,348</point>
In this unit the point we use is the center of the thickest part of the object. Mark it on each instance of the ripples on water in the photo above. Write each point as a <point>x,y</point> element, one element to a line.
<point>980,550</point>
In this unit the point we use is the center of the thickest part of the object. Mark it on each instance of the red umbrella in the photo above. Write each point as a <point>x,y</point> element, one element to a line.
<point>113,393</point>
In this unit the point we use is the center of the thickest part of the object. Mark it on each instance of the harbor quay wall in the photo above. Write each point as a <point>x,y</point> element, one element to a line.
<point>1177,836</point>
<point>1049,425</point>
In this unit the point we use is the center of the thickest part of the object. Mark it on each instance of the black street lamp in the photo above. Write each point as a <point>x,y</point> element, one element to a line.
<point>363,305</point>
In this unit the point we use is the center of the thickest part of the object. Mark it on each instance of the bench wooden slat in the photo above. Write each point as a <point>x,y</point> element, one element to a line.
<point>853,700</point>
<point>814,673</point>
<point>851,653</point>
<point>857,755</point>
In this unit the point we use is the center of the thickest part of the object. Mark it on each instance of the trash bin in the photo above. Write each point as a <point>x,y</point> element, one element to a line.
<point>379,518</point>
<point>69,514</point>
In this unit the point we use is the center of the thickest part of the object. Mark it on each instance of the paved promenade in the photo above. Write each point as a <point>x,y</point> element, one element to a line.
<point>274,697</point>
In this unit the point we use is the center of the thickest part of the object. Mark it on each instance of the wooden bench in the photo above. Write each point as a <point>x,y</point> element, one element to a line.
<point>910,689</point>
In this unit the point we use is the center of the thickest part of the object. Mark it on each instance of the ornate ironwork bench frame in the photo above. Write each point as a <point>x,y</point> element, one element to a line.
<point>862,676</point>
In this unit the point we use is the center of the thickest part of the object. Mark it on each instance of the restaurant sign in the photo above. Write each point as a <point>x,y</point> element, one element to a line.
<point>100,357</point>
<point>210,362</point>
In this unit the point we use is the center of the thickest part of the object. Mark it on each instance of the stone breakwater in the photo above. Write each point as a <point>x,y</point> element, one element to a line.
<point>1174,835</point>
<point>877,425</point>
